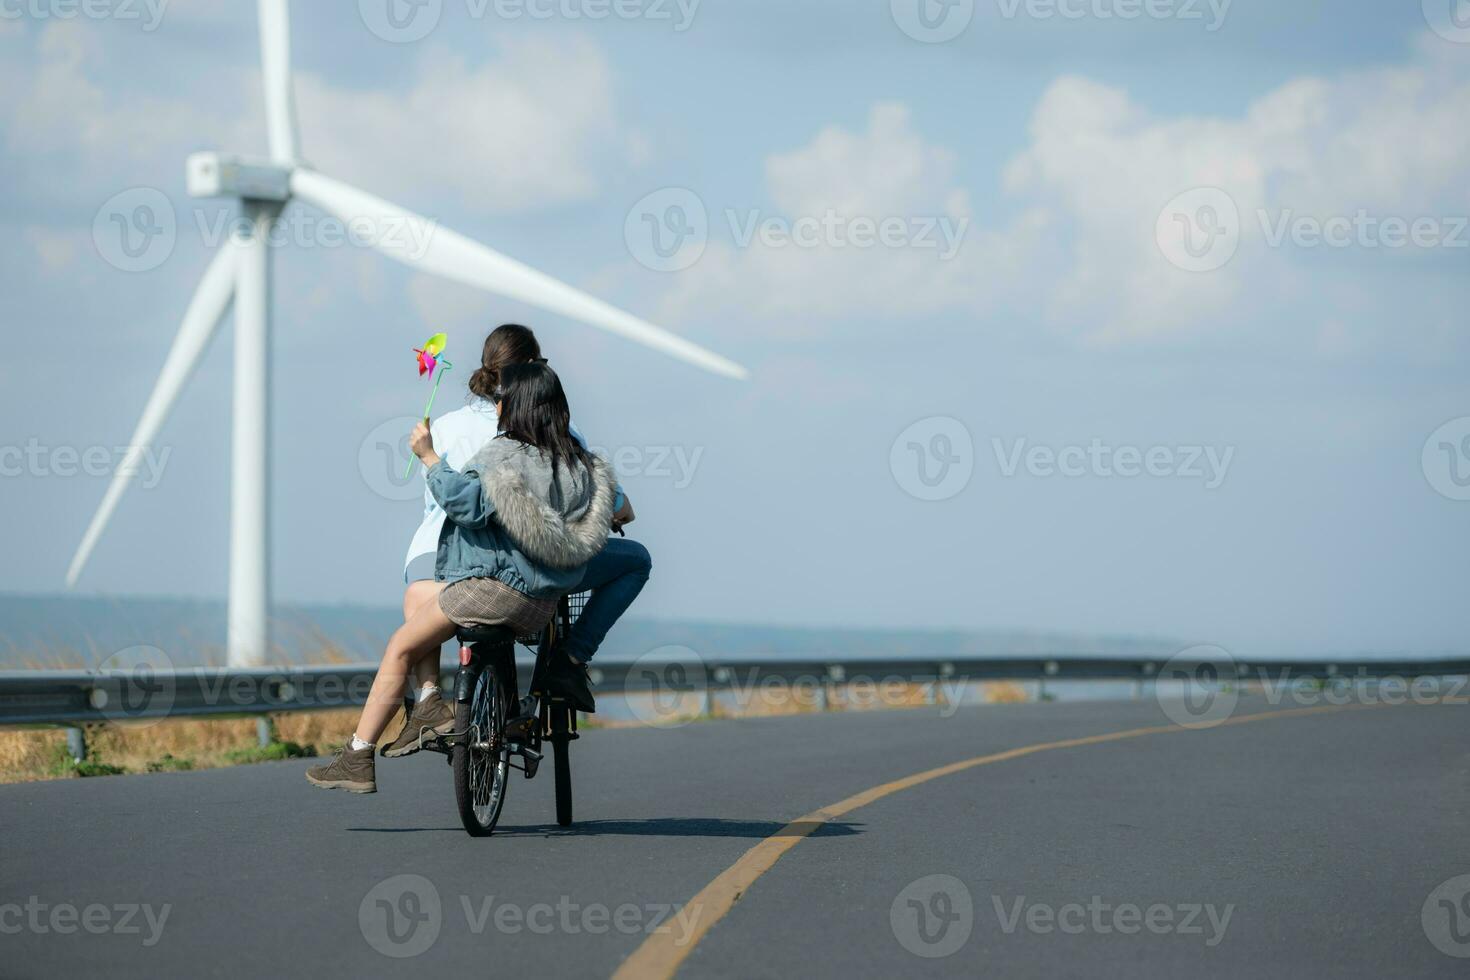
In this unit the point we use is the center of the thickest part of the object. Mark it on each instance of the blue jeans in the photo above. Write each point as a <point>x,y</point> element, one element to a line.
<point>615,576</point>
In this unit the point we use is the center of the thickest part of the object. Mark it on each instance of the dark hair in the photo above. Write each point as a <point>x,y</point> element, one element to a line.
<point>509,343</point>
<point>533,410</point>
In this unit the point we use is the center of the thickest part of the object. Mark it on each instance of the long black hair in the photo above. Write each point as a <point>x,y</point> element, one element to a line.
<point>533,410</point>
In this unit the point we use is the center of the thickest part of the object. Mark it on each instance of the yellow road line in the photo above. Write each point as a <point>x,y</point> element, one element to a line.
<point>660,955</point>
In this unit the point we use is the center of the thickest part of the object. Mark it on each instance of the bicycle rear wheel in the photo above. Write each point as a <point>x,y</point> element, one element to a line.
<point>481,756</point>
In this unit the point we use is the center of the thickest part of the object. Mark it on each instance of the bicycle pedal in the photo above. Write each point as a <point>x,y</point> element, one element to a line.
<point>432,741</point>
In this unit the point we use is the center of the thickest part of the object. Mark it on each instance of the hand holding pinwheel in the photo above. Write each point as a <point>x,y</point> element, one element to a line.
<point>428,358</point>
<point>421,443</point>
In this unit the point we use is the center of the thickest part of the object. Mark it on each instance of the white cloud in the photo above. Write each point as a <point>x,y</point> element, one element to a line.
<point>888,169</point>
<point>886,173</point>
<point>70,121</point>
<point>1390,141</point>
<point>1080,251</point>
<point>532,128</point>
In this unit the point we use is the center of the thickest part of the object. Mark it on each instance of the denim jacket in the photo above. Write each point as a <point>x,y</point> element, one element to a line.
<point>458,435</point>
<point>512,516</point>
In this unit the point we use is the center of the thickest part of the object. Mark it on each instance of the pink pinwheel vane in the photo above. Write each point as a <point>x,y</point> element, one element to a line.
<point>428,358</point>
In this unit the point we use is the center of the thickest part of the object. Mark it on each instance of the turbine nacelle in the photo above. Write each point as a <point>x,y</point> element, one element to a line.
<point>213,174</point>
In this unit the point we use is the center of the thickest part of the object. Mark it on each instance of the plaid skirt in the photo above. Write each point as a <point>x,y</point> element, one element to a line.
<point>479,602</point>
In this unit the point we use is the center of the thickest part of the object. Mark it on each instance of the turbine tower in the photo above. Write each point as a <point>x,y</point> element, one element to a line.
<point>240,274</point>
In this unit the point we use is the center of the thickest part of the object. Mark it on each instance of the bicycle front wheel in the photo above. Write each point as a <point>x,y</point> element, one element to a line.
<point>481,756</point>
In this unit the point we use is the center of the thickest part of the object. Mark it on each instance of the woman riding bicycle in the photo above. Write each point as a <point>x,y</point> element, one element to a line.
<point>615,577</point>
<point>524,517</point>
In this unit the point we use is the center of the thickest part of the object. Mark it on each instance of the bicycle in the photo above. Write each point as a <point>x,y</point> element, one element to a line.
<point>480,750</point>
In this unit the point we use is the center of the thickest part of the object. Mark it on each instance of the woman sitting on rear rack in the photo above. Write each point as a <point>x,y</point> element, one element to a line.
<point>524,517</point>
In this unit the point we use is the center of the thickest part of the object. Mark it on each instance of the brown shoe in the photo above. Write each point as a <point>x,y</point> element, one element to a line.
<point>352,770</point>
<point>433,714</point>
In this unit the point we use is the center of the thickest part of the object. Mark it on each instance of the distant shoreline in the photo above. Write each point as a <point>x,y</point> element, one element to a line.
<point>58,630</point>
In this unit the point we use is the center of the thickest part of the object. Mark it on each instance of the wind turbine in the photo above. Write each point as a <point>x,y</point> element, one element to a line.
<point>240,275</point>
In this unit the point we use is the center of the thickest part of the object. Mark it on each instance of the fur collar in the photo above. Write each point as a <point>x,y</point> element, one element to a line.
<point>560,539</point>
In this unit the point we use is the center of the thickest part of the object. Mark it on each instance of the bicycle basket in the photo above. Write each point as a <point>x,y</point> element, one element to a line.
<point>576,602</point>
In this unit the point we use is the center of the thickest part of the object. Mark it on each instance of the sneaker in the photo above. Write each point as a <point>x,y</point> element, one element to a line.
<point>567,679</point>
<point>352,770</point>
<point>433,714</point>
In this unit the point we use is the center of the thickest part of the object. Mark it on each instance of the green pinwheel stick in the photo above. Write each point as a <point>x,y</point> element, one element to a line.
<point>429,359</point>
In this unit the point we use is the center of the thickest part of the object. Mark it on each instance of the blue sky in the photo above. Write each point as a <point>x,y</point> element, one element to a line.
<point>1059,151</point>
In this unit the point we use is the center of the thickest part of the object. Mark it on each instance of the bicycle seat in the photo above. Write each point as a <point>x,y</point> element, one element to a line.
<point>488,635</point>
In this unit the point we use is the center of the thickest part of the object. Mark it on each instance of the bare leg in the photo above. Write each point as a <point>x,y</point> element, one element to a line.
<point>426,671</point>
<point>416,639</point>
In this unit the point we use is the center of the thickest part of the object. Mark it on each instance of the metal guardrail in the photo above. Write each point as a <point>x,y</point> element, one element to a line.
<point>73,697</point>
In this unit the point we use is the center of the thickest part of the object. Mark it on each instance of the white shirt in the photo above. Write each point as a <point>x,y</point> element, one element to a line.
<point>458,435</point>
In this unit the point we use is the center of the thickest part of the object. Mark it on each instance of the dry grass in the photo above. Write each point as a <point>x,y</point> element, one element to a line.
<point>176,743</point>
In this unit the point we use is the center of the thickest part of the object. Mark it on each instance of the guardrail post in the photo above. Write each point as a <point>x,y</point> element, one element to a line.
<point>76,744</point>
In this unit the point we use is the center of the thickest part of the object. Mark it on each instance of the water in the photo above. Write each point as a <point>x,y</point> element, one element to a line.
<point>73,631</point>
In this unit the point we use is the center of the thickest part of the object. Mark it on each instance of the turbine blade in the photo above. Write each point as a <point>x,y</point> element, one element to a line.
<point>423,244</point>
<point>275,64</point>
<point>206,310</point>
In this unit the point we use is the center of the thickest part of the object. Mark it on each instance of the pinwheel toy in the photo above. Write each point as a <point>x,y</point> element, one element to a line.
<point>429,354</point>
<point>428,358</point>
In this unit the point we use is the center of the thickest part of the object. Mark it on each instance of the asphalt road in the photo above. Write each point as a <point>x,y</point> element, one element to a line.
<point>1300,846</point>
